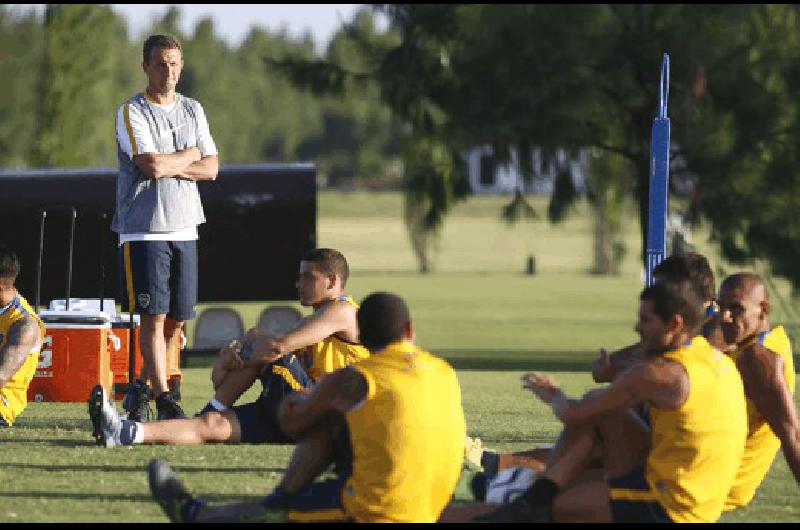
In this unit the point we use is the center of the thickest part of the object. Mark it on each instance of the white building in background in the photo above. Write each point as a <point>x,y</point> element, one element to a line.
<point>489,177</point>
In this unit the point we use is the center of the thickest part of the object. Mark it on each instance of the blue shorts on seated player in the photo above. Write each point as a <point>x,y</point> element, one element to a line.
<point>632,500</point>
<point>259,420</point>
<point>321,501</point>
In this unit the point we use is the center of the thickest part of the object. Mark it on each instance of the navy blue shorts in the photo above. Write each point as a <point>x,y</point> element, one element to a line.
<point>632,500</point>
<point>160,277</point>
<point>322,501</point>
<point>258,421</point>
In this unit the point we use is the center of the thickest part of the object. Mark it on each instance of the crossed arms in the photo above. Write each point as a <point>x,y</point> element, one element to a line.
<point>189,164</point>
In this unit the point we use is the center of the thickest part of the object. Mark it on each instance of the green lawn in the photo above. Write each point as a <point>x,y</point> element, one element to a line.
<point>477,309</point>
<point>53,472</point>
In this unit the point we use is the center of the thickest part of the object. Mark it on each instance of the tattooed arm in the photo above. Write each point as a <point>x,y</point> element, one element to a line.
<point>23,338</point>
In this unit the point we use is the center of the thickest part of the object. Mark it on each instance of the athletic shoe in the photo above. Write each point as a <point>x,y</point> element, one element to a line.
<point>473,451</point>
<point>478,485</point>
<point>168,409</point>
<point>137,403</point>
<point>168,490</point>
<point>106,423</point>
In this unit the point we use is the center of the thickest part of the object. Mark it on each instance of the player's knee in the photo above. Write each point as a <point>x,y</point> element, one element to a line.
<point>215,426</point>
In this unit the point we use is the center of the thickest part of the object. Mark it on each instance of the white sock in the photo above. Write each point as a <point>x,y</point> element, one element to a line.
<point>138,435</point>
<point>218,406</point>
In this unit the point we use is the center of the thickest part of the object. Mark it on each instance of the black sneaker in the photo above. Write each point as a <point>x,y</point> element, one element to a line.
<point>168,408</point>
<point>137,403</point>
<point>168,490</point>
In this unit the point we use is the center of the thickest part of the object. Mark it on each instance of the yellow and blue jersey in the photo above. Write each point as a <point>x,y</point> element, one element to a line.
<point>407,437</point>
<point>331,353</point>
<point>13,396</point>
<point>762,445</point>
<point>696,448</point>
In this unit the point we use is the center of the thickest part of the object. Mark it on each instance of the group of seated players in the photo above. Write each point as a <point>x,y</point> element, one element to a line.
<point>688,426</point>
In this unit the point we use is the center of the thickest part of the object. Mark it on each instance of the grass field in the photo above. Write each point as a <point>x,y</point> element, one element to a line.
<point>477,309</point>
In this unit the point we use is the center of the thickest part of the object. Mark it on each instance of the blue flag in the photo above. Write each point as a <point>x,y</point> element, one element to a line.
<point>659,177</point>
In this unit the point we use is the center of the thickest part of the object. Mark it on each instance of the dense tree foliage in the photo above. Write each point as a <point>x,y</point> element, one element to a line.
<point>586,77</point>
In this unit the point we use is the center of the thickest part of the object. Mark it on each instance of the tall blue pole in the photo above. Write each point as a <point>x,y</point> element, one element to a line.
<point>659,177</point>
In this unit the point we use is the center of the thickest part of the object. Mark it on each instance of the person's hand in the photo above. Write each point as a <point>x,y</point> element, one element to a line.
<point>601,368</point>
<point>252,334</point>
<point>265,348</point>
<point>542,385</point>
<point>230,355</point>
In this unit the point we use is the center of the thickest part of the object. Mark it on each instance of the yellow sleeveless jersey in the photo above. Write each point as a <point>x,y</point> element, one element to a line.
<point>407,438</point>
<point>762,445</point>
<point>13,396</point>
<point>697,448</point>
<point>331,353</point>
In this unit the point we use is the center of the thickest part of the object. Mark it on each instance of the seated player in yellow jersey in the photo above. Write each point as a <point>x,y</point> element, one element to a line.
<point>763,356</point>
<point>326,340</point>
<point>21,335</point>
<point>677,469</point>
<point>392,424</point>
<point>690,266</point>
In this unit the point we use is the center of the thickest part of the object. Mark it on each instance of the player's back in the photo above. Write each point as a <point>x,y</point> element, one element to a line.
<point>407,437</point>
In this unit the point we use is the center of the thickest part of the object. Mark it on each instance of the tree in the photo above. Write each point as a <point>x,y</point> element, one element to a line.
<point>82,45</point>
<point>21,50</point>
<point>743,144</point>
<point>573,77</point>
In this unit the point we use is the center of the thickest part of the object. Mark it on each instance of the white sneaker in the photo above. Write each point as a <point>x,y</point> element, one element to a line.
<point>106,421</point>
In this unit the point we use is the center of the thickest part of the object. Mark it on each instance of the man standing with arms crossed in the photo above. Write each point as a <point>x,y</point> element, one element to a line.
<point>164,147</point>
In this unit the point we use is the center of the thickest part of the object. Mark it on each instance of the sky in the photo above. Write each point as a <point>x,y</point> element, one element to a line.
<point>232,21</point>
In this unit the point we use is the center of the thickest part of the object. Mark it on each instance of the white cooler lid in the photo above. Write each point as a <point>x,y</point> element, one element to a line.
<point>94,319</point>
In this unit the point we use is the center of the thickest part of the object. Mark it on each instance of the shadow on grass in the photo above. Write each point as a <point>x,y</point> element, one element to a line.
<point>512,360</point>
<point>481,359</point>
<point>44,441</point>
<point>66,424</point>
<point>124,497</point>
<point>137,468</point>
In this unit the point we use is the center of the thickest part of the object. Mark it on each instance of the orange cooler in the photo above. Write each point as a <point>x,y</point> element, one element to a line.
<point>120,360</point>
<point>75,356</point>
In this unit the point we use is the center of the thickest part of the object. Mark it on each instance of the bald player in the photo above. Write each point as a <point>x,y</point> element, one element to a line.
<point>763,356</point>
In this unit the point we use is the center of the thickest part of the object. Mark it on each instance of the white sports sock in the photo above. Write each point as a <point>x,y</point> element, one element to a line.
<point>138,435</point>
<point>218,406</point>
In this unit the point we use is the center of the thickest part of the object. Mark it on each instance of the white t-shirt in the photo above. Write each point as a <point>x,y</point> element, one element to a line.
<point>138,140</point>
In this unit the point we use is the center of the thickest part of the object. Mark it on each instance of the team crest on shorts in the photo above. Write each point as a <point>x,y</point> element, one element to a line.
<point>143,299</point>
